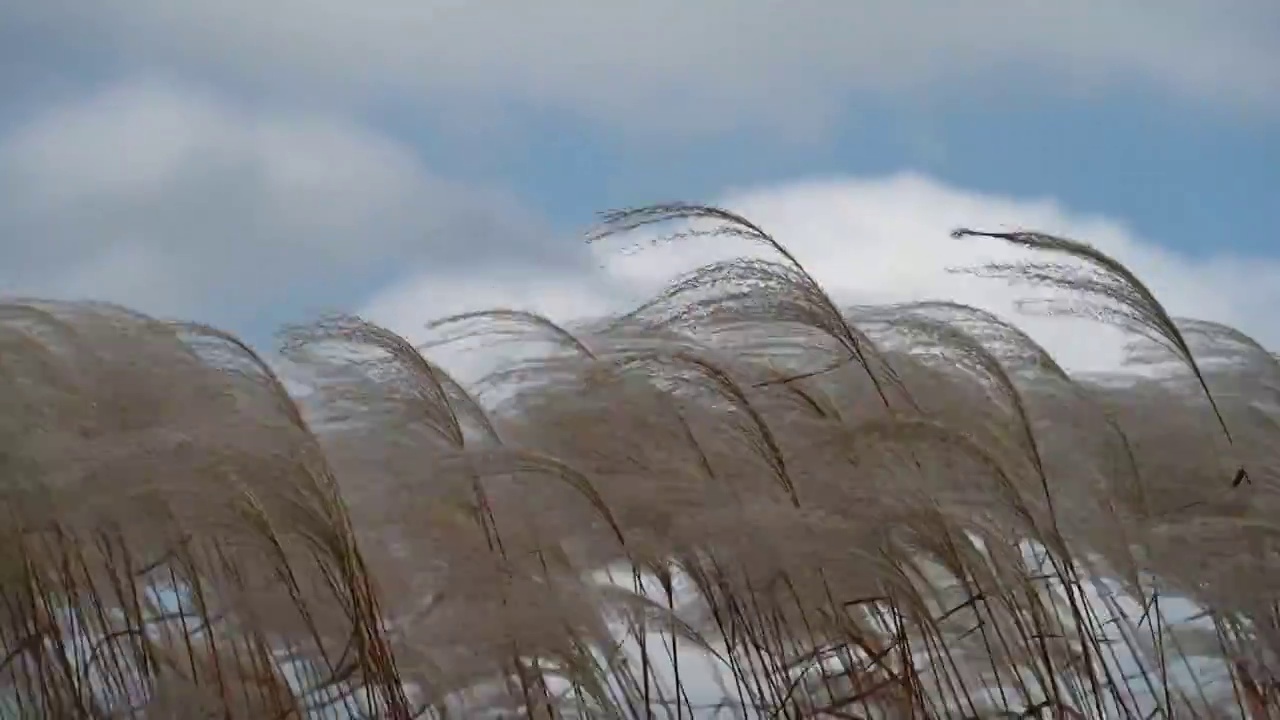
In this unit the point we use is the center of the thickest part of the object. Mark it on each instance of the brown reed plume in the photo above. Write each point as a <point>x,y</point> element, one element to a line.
<point>739,500</point>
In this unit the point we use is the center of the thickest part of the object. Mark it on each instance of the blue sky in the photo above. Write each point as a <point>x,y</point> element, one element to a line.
<point>252,165</point>
<point>1184,176</point>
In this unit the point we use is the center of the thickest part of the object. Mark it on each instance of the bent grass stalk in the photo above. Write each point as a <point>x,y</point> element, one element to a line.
<point>880,512</point>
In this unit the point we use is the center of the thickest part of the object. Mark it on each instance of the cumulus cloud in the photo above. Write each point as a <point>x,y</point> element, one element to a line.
<point>677,64</point>
<point>881,240</point>
<point>179,202</point>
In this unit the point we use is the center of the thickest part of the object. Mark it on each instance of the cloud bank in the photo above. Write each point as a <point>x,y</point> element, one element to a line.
<point>881,240</point>
<point>675,65</point>
<point>177,201</point>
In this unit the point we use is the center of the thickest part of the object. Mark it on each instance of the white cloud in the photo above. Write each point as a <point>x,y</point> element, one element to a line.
<point>176,201</point>
<point>677,64</point>
<point>885,240</point>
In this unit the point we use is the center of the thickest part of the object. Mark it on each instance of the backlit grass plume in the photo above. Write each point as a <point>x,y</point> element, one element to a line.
<point>738,499</point>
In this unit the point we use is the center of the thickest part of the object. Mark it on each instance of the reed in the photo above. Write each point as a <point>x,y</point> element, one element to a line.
<point>739,499</point>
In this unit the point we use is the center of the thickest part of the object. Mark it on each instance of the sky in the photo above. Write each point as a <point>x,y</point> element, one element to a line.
<point>254,164</point>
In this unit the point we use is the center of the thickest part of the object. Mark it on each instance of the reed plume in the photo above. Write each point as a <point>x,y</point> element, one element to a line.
<point>738,499</point>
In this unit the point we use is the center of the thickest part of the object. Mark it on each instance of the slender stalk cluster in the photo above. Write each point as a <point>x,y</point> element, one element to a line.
<point>738,500</point>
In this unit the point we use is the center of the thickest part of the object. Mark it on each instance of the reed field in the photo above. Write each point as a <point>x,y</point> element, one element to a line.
<point>738,500</point>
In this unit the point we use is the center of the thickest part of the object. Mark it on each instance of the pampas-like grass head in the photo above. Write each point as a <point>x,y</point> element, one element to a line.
<point>738,500</point>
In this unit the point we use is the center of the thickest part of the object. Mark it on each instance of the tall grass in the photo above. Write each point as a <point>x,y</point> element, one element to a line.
<point>738,500</point>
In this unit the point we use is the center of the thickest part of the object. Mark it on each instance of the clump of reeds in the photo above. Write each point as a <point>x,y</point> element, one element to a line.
<point>740,498</point>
